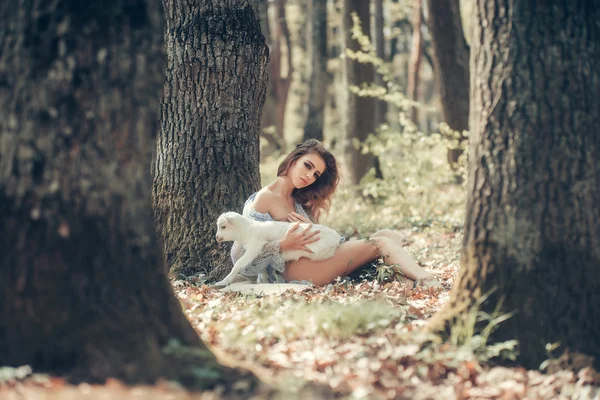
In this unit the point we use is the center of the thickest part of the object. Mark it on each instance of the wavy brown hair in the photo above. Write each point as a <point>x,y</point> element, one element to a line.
<point>316,197</point>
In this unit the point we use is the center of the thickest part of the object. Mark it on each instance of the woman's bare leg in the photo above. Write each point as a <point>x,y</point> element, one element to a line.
<point>397,255</point>
<point>348,257</point>
<point>352,255</point>
<point>392,234</point>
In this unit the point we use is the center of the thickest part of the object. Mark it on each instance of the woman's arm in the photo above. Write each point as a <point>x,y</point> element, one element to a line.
<point>294,239</point>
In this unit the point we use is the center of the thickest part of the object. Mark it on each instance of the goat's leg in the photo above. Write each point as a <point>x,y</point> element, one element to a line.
<point>263,277</point>
<point>251,253</point>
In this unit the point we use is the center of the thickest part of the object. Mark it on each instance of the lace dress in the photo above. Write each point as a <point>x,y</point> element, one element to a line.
<point>270,258</point>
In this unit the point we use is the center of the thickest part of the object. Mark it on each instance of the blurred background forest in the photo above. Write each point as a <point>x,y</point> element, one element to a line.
<point>95,244</point>
<point>363,76</point>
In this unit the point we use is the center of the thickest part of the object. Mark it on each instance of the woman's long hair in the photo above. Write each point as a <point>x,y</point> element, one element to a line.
<point>316,197</point>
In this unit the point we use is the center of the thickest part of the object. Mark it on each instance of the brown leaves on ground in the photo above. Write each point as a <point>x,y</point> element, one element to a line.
<point>346,340</point>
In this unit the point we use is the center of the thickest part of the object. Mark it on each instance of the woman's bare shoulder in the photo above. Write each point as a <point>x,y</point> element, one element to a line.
<point>267,201</point>
<point>264,200</point>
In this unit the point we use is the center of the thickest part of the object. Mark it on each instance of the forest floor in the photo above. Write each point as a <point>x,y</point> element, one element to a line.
<point>363,337</point>
<point>354,339</point>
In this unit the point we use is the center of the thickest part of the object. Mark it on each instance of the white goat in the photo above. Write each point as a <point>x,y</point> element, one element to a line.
<point>253,235</point>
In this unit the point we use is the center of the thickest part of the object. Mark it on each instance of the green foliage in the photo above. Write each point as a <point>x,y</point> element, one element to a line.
<point>419,187</point>
<point>418,190</point>
<point>266,320</point>
<point>471,333</point>
<point>9,375</point>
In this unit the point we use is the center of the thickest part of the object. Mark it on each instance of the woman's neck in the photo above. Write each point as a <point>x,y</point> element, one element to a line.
<point>282,187</point>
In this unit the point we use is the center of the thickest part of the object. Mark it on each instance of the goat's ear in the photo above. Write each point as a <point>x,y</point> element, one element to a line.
<point>229,220</point>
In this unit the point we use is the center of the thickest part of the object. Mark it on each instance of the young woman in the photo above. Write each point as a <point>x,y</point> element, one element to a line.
<point>306,180</point>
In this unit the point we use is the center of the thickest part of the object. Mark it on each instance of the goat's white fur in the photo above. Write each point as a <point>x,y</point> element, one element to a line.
<point>253,235</point>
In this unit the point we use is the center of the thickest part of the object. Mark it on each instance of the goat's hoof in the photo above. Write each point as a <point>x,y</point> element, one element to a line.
<point>221,284</point>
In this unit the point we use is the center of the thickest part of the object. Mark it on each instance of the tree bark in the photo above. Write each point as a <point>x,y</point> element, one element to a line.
<point>379,41</point>
<point>268,116</point>
<point>318,83</point>
<point>83,289</point>
<point>532,229</point>
<point>207,152</point>
<point>451,64</point>
<point>359,114</point>
<point>282,81</point>
<point>414,65</point>
<point>380,109</point>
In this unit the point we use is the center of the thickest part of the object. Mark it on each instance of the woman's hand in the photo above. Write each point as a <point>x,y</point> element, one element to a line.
<point>298,239</point>
<point>295,217</point>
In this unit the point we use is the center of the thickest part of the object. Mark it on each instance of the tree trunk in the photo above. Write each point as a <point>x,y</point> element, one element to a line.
<point>532,229</point>
<point>269,111</point>
<point>318,83</point>
<point>451,66</point>
<point>379,41</point>
<point>282,77</point>
<point>359,114</point>
<point>399,46</point>
<point>414,65</point>
<point>263,16</point>
<point>83,288</point>
<point>380,109</point>
<point>207,153</point>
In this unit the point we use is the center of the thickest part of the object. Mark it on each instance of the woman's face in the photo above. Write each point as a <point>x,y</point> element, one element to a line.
<point>305,171</point>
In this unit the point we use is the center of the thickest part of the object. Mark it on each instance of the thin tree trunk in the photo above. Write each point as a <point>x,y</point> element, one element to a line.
<point>379,40</point>
<point>359,115</point>
<point>451,66</point>
<point>318,83</point>
<point>282,82</point>
<point>532,231</point>
<point>398,47</point>
<point>83,289</point>
<point>415,60</point>
<point>207,153</point>
<point>380,110</point>
<point>268,117</point>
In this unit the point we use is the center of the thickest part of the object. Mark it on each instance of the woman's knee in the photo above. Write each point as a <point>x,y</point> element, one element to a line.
<point>383,233</point>
<point>382,244</point>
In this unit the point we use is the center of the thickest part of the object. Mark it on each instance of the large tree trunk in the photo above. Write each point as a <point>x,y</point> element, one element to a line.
<point>359,113</point>
<point>451,66</point>
<point>207,153</point>
<point>318,82</point>
<point>83,288</point>
<point>532,230</point>
<point>416,55</point>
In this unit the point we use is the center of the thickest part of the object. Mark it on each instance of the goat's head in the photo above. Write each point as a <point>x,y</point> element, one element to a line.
<point>229,226</point>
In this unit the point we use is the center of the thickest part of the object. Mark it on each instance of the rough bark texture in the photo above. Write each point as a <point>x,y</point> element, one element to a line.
<point>451,63</point>
<point>83,288</point>
<point>207,152</point>
<point>416,53</point>
<point>532,229</point>
<point>318,82</point>
<point>359,113</point>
